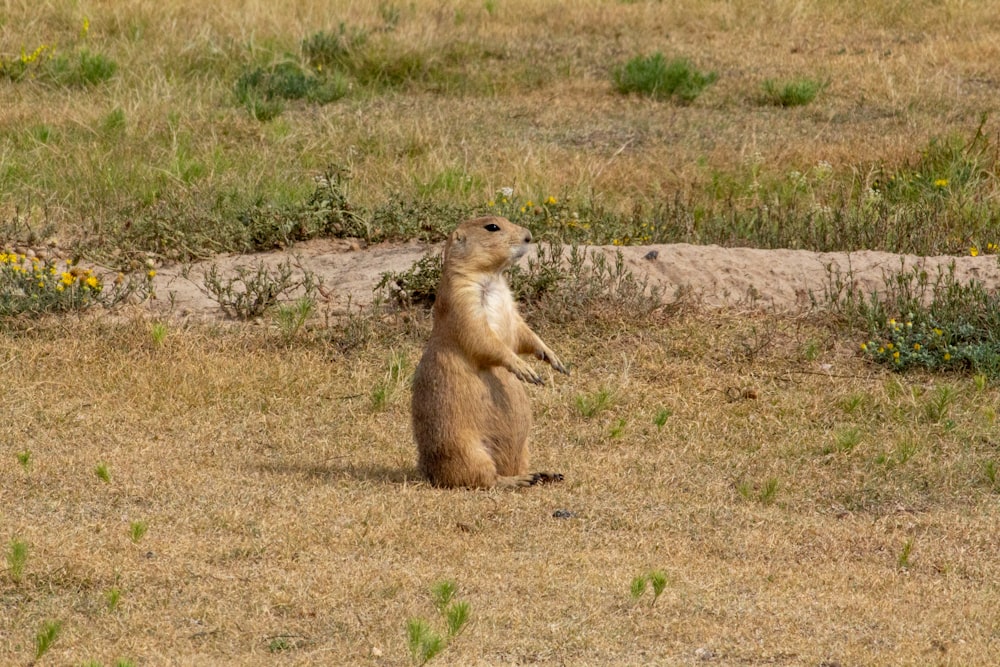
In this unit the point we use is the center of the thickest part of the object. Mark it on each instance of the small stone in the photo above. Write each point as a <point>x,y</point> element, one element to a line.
<point>563,514</point>
<point>652,254</point>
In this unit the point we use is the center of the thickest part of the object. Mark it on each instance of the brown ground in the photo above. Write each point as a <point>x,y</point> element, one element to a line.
<point>780,280</point>
<point>287,523</point>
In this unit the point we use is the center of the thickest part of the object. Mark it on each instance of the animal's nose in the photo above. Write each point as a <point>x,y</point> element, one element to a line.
<point>527,236</point>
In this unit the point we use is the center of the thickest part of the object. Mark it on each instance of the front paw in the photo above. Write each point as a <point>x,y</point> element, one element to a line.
<point>523,371</point>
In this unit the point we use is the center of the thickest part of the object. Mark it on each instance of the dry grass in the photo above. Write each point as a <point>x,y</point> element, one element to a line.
<point>282,507</point>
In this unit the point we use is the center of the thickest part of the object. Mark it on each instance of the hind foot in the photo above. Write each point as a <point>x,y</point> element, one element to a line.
<point>531,479</point>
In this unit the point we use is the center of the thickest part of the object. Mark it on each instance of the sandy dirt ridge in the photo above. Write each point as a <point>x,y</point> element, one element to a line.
<point>717,277</point>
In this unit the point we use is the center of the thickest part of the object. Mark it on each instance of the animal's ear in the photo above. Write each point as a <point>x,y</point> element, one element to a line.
<point>455,243</point>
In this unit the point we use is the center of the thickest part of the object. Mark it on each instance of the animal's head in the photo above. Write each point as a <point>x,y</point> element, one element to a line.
<point>486,244</point>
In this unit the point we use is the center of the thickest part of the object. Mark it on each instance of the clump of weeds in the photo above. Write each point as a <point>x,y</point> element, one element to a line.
<point>423,641</point>
<point>655,76</point>
<point>792,93</point>
<point>253,290</point>
<point>655,579</point>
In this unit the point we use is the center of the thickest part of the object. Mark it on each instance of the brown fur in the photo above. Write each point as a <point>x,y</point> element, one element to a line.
<point>471,416</point>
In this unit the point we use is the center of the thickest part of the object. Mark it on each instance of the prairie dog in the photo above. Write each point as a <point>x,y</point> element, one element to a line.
<point>471,416</point>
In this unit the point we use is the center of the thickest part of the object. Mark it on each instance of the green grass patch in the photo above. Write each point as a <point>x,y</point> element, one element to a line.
<point>263,90</point>
<point>793,93</point>
<point>654,76</point>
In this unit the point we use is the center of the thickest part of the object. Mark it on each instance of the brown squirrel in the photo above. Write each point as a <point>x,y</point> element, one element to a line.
<point>471,415</point>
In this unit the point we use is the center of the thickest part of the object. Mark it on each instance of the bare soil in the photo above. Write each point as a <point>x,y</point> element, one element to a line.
<point>717,277</point>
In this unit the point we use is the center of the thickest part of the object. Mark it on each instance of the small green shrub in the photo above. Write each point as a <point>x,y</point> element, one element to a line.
<point>991,475</point>
<point>113,597</point>
<point>765,493</point>
<point>292,317</point>
<point>656,579</point>
<point>903,560</point>
<point>844,441</point>
<point>253,290</point>
<point>656,77</point>
<point>416,286</point>
<point>423,642</point>
<point>383,392</point>
<point>101,470</point>
<point>158,333</point>
<point>282,643</point>
<point>589,405</point>
<point>81,69</point>
<point>794,93</point>
<point>263,90</point>
<point>137,530</point>
<point>46,637</point>
<point>17,558</point>
<point>334,49</point>
<point>942,324</point>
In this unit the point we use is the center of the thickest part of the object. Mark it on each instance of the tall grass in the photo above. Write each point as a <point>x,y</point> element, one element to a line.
<point>132,136</point>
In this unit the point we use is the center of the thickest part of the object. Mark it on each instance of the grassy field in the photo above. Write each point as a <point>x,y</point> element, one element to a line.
<point>198,494</point>
<point>801,515</point>
<point>179,129</point>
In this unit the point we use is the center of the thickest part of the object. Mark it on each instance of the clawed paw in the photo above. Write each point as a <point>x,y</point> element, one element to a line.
<point>545,477</point>
<point>549,357</point>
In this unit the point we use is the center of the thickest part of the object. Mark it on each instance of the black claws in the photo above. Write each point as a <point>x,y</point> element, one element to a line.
<point>555,364</point>
<point>545,477</point>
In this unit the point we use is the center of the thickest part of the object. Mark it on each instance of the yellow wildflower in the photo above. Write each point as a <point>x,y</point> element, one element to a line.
<point>916,346</point>
<point>86,27</point>
<point>491,203</point>
<point>938,332</point>
<point>67,278</point>
<point>151,274</point>
<point>551,200</point>
<point>93,282</point>
<point>974,251</point>
<point>881,350</point>
<point>941,183</point>
<point>889,345</point>
<point>864,347</point>
<point>528,203</point>
<point>947,356</point>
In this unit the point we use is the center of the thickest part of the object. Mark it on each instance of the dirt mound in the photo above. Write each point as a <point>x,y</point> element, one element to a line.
<point>779,280</point>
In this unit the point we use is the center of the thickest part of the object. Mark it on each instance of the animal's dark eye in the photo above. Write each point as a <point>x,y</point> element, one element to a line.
<point>492,227</point>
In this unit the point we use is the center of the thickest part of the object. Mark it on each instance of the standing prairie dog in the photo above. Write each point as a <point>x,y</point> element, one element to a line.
<point>471,416</point>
